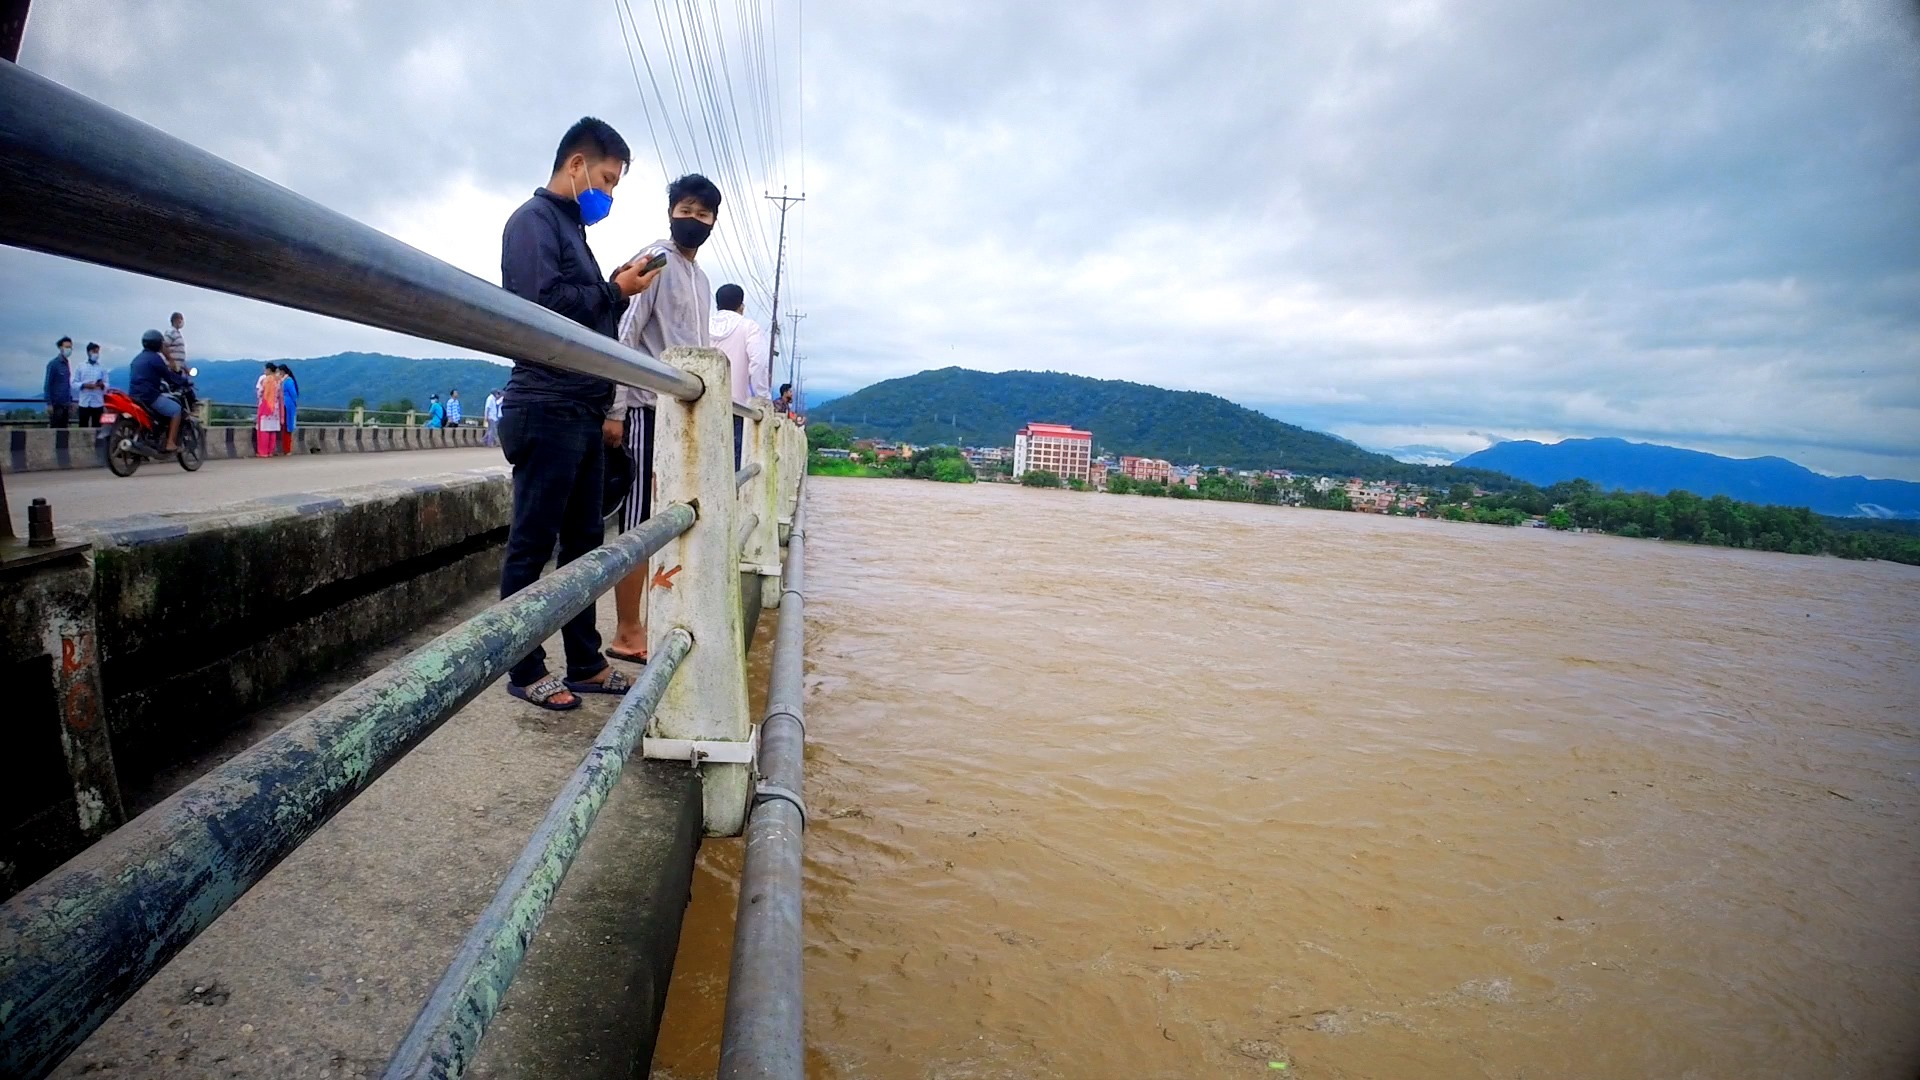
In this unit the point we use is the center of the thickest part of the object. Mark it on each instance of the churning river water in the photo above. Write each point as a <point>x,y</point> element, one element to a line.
<point>1119,787</point>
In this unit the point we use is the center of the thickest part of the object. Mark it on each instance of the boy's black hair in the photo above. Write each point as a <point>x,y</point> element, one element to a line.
<point>93,346</point>
<point>175,315</point>
<point>729,297</point>
<point>63,341</point>
<point>696,187</point>
<point>785,386</point>
<point>596,139</point>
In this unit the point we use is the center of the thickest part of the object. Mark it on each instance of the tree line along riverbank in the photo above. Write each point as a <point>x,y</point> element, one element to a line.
<point>1678,516</point>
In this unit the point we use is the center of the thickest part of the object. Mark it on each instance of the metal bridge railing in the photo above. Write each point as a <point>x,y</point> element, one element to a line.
<point>77,944</point>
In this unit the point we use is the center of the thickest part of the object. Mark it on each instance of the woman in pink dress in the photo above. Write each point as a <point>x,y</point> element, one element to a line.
<point>267,412</point>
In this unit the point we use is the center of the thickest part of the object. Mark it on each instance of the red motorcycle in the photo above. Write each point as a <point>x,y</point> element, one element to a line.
<point>135,435</point>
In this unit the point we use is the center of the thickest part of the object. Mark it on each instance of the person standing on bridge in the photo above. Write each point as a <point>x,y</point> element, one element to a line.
<point>556,424</point>
<point>266,410</point>
<point>453,408</point>
<point>673,312</point>
<point>746,348</point>
<point>289,408</point>
<point>90,387</point>
<point>490,419</point>
<point>59,389</point>
<point>436,413</point>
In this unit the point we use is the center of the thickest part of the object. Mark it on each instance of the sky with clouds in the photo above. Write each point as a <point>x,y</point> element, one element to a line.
<point>1422,223</point>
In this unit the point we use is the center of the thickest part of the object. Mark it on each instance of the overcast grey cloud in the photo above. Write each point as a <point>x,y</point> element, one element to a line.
<point>1415,223</point>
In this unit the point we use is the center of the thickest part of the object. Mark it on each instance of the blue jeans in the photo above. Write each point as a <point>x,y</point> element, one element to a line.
<point>557,458</point>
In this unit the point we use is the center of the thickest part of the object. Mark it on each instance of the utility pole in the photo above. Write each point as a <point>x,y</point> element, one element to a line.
<point>793,350</point>
<point>779,261</point>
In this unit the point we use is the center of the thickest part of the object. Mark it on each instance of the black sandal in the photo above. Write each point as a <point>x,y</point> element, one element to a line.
<point>543,692</point>
<point>614,683</point>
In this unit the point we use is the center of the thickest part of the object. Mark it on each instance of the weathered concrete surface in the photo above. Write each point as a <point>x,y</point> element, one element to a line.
<point>697,586</point>
<point>81,496</point>
<point>173,626</point>
<point>44,449</point>
<point>322,967</point>
<point>205,616</point>
<point>58,788</point>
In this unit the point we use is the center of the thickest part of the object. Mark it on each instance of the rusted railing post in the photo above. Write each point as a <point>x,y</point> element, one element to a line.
<point>761,497</point>
<point>696,587</point>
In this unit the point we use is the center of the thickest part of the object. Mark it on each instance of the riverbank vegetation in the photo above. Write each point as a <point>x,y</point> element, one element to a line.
<point>1677,516</point>
<point>941,463</point>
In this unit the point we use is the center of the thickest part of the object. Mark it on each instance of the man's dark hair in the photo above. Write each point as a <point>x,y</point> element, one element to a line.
<point>63,341</point>
<point>696,187</point>
<point>785,386</point>
<point>596,139</point>
<point>93,346</point>
<point>729,297</point>
<point>175,315</point>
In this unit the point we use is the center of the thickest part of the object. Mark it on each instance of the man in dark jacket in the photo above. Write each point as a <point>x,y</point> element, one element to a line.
<point>59,388</point>
<point>553,423</point>
<point>148,379</point>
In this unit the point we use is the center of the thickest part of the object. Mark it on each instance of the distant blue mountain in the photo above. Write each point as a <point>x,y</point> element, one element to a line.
<point>334,381</point>
<point>1616,463</point>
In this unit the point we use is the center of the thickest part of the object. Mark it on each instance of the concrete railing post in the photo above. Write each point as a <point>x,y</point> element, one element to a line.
<point>696,583</point>
<point>359,416</point>
<point>792,450</point>
<point>409,417</point>
<point>761,555</point>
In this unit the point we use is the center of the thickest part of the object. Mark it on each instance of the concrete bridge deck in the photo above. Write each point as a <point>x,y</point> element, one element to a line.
<point>319,970</point>
<point>83,495</point>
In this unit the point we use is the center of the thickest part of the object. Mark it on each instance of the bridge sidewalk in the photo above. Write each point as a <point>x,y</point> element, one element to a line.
<point>319,970</point>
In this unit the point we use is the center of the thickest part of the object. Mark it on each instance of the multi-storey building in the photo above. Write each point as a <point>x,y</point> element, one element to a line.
<point>1056,448</point>
<point>1139,468</point>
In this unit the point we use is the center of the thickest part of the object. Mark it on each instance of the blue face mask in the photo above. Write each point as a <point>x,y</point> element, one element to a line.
<point>595,205</point>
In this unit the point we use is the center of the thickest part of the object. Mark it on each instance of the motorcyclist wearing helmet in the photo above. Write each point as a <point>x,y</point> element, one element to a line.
<point>149,382</point>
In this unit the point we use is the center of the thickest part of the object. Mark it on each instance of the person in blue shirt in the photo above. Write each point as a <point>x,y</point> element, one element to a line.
<point>289,408</point>
<point>436,414</point>
<point>148,382</point>
<point>60,385</point>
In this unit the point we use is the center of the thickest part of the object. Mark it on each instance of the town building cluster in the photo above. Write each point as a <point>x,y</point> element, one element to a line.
<point>1068,453</point>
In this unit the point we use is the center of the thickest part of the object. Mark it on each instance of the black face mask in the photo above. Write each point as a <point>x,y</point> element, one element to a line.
<point>689,232</point>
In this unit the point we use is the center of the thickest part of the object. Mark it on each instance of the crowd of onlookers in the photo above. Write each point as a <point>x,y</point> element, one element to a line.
<point>76,390</point>
<point>567,433</point>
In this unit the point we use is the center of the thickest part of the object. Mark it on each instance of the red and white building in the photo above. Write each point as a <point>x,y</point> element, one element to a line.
<point>1056,448</point>
<point>1140,468</point>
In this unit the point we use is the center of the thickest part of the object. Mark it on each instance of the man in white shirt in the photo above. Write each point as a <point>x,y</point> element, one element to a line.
<point>490,413</point>
<point>744,343</point>
<point>90,387</point>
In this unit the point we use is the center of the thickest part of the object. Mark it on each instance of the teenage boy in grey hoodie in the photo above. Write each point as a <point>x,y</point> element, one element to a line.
<point>673,312</point>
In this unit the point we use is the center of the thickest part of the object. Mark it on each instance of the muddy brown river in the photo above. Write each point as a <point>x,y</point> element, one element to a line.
<point>1120,787</point>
